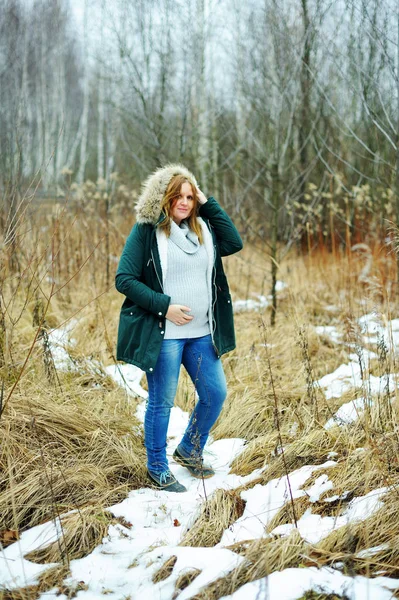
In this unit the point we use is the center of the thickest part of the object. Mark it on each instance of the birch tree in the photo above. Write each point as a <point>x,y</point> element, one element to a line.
<point>101,101</point>
<point>146,78</point>
<point>13,92</point>
<point>199,106</point>
<point>84,126</point>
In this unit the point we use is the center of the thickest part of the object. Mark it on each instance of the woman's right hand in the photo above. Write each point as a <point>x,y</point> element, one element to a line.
<point>177,314</point>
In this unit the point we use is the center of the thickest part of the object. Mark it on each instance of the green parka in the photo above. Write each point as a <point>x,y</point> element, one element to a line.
<point>139,276</point>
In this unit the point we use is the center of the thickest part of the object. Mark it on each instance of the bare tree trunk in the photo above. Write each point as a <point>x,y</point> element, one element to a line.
<point>70,157</point>
<point>304,127</point>
<point>201,97</point>
<point>397,156</point>
<point>100,130</point>
<point>215,183</point>
<point>101,104</point>
<point>239,106</point>
<point>185,105</point>
<point>86,91</point>
<point>111,137</point>
<point>26,107</point>
<point>60,108</point>
<point>43,107</point>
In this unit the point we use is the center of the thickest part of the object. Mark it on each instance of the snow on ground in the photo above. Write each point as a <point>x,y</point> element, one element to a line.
<point>260,302</point>
<point>59,340</point>
<point>129,556</point>
<point>347,413</point>
<point>128,377</point>
<point>321,485</point>
<point>330,331</point>
<point>158,521</point>
<point>313,528</point>
<point>123,567</point>
<point>290,584</point>
<point>15,571</point>
<point>349,376</point>
<point>125,375</point>
<point>375,330</point>
<point>264,501</point>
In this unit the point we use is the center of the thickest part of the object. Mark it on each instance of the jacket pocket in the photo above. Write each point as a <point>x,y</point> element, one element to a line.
<point>133,311</point>
<point>135,326</point>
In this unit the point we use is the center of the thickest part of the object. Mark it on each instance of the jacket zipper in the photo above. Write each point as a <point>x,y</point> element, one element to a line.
<point>213,312</point>
<point>156,272</point>
<point>214,302</point>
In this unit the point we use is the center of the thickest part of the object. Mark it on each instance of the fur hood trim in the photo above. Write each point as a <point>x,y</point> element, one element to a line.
<point>148,207</point>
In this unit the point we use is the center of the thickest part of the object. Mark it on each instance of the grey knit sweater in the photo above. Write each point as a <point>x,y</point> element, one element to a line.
<point>186,282</point>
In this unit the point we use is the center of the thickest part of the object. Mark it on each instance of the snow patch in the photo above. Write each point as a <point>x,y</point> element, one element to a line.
<point>347,413</point>
<point>260,302</point>
<point>329,331</point>
<point>321,485</point>
<point>127,377</point>
<point>290,584</point>
<point>264,501</point>
<point>313,528</point>
<point>15,570</point>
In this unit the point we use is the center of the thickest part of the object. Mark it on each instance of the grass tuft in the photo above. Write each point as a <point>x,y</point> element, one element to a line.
<point>184,580</point>
<point>222,509</point>
<point>82,531</point>
<point>65,451</point>
<point>165,570</point>
<point>262,558</point>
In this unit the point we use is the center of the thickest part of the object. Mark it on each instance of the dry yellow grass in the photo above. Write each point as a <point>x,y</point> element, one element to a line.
<point>262,558</point>
<point>257,454</point>
<point>222,509</point>
<point>351,544</point>
<point>75,443</point>
<point>62,451</point>
<point>53,577</point>
<point>289,513</point>
<point>82,531</point>
<point>184,580</point>
<point>310,449</point>
<point>164,570</point>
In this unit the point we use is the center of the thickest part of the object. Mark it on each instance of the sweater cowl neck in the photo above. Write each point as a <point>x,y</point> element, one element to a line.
<point>186,239</point>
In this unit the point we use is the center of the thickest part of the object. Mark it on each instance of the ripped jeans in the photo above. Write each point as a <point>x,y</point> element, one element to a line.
<point>206,372</point>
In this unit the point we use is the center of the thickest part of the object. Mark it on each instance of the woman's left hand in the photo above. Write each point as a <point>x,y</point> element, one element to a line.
<point>201,196</point>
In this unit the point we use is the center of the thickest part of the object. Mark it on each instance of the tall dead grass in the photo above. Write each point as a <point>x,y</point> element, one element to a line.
<point>62,451</point>
<point>367,547</point>
<point>82,530</point>
<point>217,514</point>
<point>74,444</point>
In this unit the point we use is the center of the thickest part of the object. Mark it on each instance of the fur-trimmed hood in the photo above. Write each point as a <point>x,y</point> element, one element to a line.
<point>148,207</point>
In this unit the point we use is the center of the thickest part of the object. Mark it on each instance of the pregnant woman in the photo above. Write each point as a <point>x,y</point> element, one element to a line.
<point>177,311</point>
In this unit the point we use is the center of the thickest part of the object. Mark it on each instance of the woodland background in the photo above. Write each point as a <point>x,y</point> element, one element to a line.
<point>288,111</point>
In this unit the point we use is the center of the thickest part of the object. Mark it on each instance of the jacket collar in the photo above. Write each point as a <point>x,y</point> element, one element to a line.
<point>162,244</point>
<point>161,218</point>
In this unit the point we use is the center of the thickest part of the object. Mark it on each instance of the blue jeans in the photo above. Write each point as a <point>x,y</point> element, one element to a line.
<point>206,371</point>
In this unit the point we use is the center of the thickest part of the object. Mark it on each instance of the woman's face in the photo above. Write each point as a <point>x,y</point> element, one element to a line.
<point>183,206</point>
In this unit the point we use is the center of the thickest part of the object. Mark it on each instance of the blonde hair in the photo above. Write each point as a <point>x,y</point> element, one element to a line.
<point>170,197</point>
